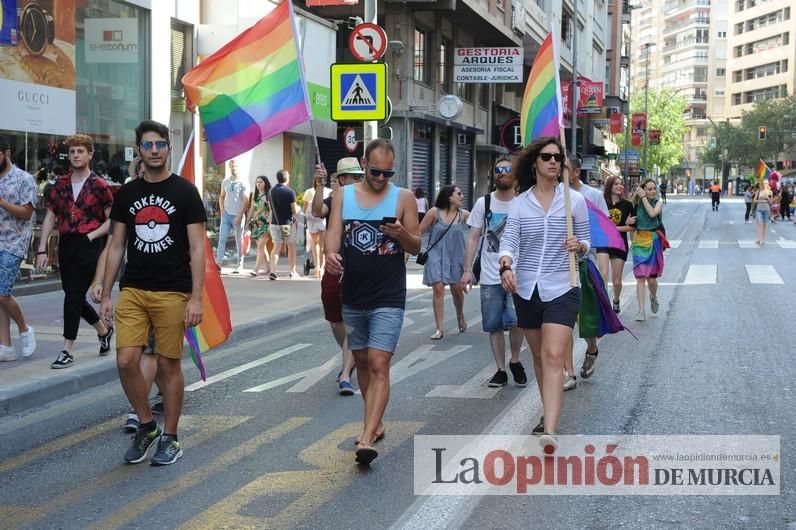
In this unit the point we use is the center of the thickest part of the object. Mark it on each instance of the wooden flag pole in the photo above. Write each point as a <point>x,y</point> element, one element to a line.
<point>573,274</point>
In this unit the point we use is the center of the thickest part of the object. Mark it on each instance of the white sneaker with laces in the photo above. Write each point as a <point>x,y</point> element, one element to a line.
<point>641,316</point>
<point>28,342</point>
<point>7,353</point>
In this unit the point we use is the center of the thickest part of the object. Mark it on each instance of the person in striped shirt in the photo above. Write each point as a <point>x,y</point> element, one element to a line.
<point>534,267</point>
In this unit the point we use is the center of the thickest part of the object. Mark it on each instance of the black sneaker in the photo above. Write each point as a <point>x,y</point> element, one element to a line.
<point>142,441</point>
<point>518,373</point>
<point>588,365</point>
<point>64,360</point>
<point>499,379</point>
<point>168,452</point>
<point>105,342</point>
<point>157,407</point>
<point>539,429</point>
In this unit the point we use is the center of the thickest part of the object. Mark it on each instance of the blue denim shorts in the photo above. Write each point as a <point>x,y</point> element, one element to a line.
<point>377,328</point>
<point>497,309</point>
<point>9,267</point>
<point>763,216</point>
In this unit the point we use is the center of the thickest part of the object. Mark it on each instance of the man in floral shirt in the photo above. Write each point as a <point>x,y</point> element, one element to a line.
<point>17,202</point>
<point>78,206</point>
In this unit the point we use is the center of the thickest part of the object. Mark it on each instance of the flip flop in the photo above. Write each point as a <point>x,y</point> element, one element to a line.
<point>379,437</point>
<point>365,454</point>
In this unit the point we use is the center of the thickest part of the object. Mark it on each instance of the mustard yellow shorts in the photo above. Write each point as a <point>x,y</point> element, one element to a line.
<point>140,312</point>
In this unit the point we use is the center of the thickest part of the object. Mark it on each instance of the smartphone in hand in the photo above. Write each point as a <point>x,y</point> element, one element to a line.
<point>389,220</point>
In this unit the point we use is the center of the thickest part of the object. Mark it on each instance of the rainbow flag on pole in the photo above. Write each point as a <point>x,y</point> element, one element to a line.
<point>541,113</point>
<point>216,325</point>
<point>251,89</point>
<point>762,173</point>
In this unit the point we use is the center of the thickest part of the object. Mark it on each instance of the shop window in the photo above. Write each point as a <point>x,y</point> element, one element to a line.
<point>420,56</point>
<point>443,76</point>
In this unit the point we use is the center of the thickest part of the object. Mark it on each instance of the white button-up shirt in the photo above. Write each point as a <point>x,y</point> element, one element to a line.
<point>534,240</point>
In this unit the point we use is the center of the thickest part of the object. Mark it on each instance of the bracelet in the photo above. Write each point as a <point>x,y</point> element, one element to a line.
<point>41,252</point>
<point>98,282</point>
<point>503,269</point>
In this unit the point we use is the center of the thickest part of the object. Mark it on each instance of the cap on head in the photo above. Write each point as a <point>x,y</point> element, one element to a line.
<point>349,166</point>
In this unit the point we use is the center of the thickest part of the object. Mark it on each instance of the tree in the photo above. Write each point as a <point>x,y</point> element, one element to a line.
<point>740,142</point>
<point>665,109</point>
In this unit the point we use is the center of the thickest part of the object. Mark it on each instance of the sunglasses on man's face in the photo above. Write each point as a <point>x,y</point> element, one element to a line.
<point>388,173</point>
<point>547,156</point>
<point>503,169</point>
<point>160,144</point>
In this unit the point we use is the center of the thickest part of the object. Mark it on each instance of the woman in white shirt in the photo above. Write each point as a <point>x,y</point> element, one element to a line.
<point>534,266</point>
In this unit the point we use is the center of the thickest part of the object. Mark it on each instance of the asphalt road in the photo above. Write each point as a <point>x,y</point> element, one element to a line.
<point>269,443</point>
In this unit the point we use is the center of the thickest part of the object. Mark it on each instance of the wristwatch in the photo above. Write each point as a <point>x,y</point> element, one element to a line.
<point>36,28</point>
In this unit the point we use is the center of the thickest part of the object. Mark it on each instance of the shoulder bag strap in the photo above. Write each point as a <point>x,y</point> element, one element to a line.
<point>487,218</point>
<point>443,234</point>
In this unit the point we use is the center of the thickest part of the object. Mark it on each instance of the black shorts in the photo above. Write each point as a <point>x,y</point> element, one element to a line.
<point>613,253</point>
<point>531,314</point>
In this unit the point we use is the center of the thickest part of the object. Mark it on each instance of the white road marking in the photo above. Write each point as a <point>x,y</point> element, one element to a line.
<point>473,388</point>
<point>763,274</point>
<point>700,274</point>
<point>248,366</point>
<point>674,243</point>
<point>782,242</point>
<point>307,377</point>
<point>747,243</point>
<point>709,243</point>
<point>455,329</point>
<point>420,359</point>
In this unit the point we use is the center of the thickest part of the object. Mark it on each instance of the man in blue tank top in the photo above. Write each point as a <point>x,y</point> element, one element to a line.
<point>371,224</point>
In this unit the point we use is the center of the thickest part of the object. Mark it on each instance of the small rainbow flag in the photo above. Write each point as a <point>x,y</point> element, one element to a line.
<point>541,112</point>
<point>602,230</point>
<point>763,172</point>
<point>251,89</point>
<point>216,325</point>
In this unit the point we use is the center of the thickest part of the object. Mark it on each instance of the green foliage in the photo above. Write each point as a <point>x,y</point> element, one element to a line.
<point>665,110</point>
<point>740,141</point>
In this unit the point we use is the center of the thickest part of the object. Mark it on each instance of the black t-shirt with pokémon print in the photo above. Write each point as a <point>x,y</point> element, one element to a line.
<point>157,216</point>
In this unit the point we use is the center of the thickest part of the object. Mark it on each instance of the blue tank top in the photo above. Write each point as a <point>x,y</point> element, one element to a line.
<point>374,270</point>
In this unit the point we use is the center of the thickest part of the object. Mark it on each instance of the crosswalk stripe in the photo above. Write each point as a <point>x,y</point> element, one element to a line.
<point>709,243</point>
<point>763,274</point>
<point>786,243</point>
<point>747,243</point>
<point>700,274</point>
<point>674,243</point>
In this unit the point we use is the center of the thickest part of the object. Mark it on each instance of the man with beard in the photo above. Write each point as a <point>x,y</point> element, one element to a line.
<point>161,218</point>
<point>487,221</point>
<point>379,223</point>
<point>78,205</point>
<point>17,201</point>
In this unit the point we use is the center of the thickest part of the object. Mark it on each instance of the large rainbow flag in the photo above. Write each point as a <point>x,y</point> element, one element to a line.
<point>541,113</point>
<point>251,89</point>
<point>216,325</point>
<point>762,173</point>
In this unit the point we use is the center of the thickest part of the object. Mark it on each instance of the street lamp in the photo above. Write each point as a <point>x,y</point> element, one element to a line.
<point>629,85</point>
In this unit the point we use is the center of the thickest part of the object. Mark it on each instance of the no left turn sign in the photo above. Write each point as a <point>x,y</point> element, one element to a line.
<point>367,42</point>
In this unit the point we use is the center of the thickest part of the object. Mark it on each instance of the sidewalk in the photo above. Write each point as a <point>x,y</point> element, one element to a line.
<point>27,383</point>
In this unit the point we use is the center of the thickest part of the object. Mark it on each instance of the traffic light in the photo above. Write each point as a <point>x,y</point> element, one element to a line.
<point>761,133</point>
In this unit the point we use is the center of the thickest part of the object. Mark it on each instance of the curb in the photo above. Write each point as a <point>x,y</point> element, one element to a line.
<point>44,390</point>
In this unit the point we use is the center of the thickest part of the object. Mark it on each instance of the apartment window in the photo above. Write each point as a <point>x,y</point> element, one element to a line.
<point>785,65</point>
<point>739,28</point>
<point>718,92</point>
<point>738,51</point>
<point>702,36</point>
<point>700,74</point>
<point>738,76</point>
<point>566,28</point>
<point>421,64</point>
<point>787,13</point>
<point>721,72</point>
<point>442,74</point>
<point>736,99</point>
<point>722,34</point>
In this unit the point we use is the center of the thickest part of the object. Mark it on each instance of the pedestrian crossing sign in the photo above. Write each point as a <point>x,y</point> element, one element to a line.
<point>359,91</point>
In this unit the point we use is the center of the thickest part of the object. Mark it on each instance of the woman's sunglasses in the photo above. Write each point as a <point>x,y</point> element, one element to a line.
<point>503,169</point>
<point>547,156</point>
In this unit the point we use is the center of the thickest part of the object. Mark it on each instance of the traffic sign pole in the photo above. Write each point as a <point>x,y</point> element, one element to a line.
<point>370,128</point>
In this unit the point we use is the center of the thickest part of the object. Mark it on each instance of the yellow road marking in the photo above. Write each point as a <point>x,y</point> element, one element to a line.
<point>149,501</point>
<point>333,457</point>
<point>196,429</point>
<point>58,444</point>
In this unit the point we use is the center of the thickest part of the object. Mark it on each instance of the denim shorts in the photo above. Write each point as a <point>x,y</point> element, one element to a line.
<point>763,216</point>
<point>9,267</point>
<point>377,328</point>
<point>497,309</point>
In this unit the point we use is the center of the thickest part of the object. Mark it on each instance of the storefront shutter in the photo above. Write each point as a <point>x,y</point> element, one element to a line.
<point>464,172</point>
<point>444,162</point>
<point>421,166</point>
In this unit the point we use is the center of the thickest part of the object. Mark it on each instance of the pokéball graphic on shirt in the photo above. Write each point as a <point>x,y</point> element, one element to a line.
<point>151,224</point>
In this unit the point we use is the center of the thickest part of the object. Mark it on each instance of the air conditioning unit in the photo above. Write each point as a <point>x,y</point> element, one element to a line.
<point>462,139</point>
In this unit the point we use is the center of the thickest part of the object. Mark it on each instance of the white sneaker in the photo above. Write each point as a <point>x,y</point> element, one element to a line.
<point>7,353</point>
<point>293,275</point>
<point>28,342</point>
<point>237,270</point>
<point>641,316</point>
<point>570,381</point>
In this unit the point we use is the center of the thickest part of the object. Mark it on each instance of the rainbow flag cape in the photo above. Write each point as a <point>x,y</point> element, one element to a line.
<point>596,317</point>
<point>541,113</point>
<point>216,325</point>
<point>762,173</point>
<point>602,230</point>
<point>251,89</point>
